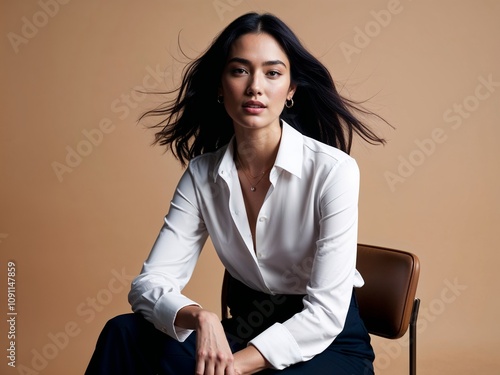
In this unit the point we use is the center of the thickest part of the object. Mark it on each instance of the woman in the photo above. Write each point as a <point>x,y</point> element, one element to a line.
<point>266,138</point>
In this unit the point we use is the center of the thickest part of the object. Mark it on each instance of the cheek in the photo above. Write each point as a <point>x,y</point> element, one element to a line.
<point>230,90</point>
<point>279,94</point>
<point>230,99</point>
<point>229,96</point>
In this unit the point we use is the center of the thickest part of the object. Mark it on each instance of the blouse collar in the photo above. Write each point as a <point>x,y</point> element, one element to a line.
<point>289,157</point>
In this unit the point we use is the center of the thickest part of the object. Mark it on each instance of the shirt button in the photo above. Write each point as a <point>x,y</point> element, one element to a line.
<point>262,219</point>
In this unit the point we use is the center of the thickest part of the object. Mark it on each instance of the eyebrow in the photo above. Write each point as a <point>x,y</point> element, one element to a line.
<point>247,62</point>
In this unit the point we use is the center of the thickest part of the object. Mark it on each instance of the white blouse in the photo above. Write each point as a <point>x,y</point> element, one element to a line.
<point>306,236</point>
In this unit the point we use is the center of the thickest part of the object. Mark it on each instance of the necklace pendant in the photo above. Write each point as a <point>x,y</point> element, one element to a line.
<point>252,188</point>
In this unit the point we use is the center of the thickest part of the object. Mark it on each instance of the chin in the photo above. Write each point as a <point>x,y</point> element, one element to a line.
<point>255,123</point>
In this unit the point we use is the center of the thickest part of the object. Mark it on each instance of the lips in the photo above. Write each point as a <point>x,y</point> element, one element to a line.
<point>253,104</point>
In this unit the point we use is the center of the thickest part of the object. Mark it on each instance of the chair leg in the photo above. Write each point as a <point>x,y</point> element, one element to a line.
<point>413,337</point>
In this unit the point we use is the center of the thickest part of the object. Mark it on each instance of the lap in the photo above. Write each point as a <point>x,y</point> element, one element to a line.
<point>327,363</point>
<point>132,342</point>
<point>129,344</point>
<point>173,357</point>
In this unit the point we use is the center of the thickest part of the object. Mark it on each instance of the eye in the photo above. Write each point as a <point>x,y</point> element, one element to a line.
<point>274,73</point>
<point>238,71</point>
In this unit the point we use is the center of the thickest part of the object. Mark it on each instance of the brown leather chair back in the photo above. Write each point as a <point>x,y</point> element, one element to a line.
<point>386,300</point>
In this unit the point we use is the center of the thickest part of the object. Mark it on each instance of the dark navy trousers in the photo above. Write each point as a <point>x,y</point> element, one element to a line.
<point>130,345</point>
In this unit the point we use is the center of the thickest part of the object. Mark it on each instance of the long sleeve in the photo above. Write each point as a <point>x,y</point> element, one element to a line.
<point>305,243</point>
<point>332,276</point>
<point>156,292</point>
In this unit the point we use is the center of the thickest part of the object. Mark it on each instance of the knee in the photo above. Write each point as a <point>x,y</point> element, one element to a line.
<point>121,320</point>
<point>125,324</point>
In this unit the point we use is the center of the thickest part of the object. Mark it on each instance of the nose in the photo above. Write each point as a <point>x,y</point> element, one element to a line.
<point>254,86</point>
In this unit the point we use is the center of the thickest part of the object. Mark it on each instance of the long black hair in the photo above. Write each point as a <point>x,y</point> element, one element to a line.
<point>193,123</point>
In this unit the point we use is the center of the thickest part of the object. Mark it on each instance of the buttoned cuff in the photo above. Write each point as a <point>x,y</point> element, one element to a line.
<point>165,312</point>
<point>278,346</point>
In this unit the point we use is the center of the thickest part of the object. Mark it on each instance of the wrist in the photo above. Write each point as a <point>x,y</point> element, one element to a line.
<point>249,361</point>
<point>188,317</point>
<point>201,316</point>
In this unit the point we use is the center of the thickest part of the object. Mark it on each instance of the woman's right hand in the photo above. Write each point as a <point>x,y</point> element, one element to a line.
<point>213,354</point>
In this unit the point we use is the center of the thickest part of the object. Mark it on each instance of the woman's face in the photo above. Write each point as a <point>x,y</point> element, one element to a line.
<point>256,81</point>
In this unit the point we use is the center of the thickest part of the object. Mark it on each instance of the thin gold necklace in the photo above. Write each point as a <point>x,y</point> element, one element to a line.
<point>253,187</point>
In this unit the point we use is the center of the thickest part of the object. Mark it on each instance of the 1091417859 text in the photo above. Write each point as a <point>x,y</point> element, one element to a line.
<point>11,313</point>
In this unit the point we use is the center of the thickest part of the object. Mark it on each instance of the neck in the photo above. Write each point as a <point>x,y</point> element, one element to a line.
<point>256,150</point>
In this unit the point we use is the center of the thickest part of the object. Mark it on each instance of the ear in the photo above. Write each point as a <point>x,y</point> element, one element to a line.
<point>291,91</point>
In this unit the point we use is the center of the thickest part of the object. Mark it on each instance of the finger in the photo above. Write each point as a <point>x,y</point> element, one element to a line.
<point>209,368</point>
<point>200,367</point>
<point>229,370</point>
<point>222,370</point>
<point>208,365</point>
<point>224,365</point>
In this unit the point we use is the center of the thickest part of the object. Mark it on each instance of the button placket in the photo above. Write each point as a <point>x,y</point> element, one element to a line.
<point>235,207</point>
<point>260,234</point>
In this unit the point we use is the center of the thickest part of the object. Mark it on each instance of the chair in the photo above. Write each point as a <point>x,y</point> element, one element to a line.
<point>387,302</point>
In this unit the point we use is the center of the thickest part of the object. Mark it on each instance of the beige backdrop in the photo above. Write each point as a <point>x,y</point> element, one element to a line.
<point>83,194</point>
